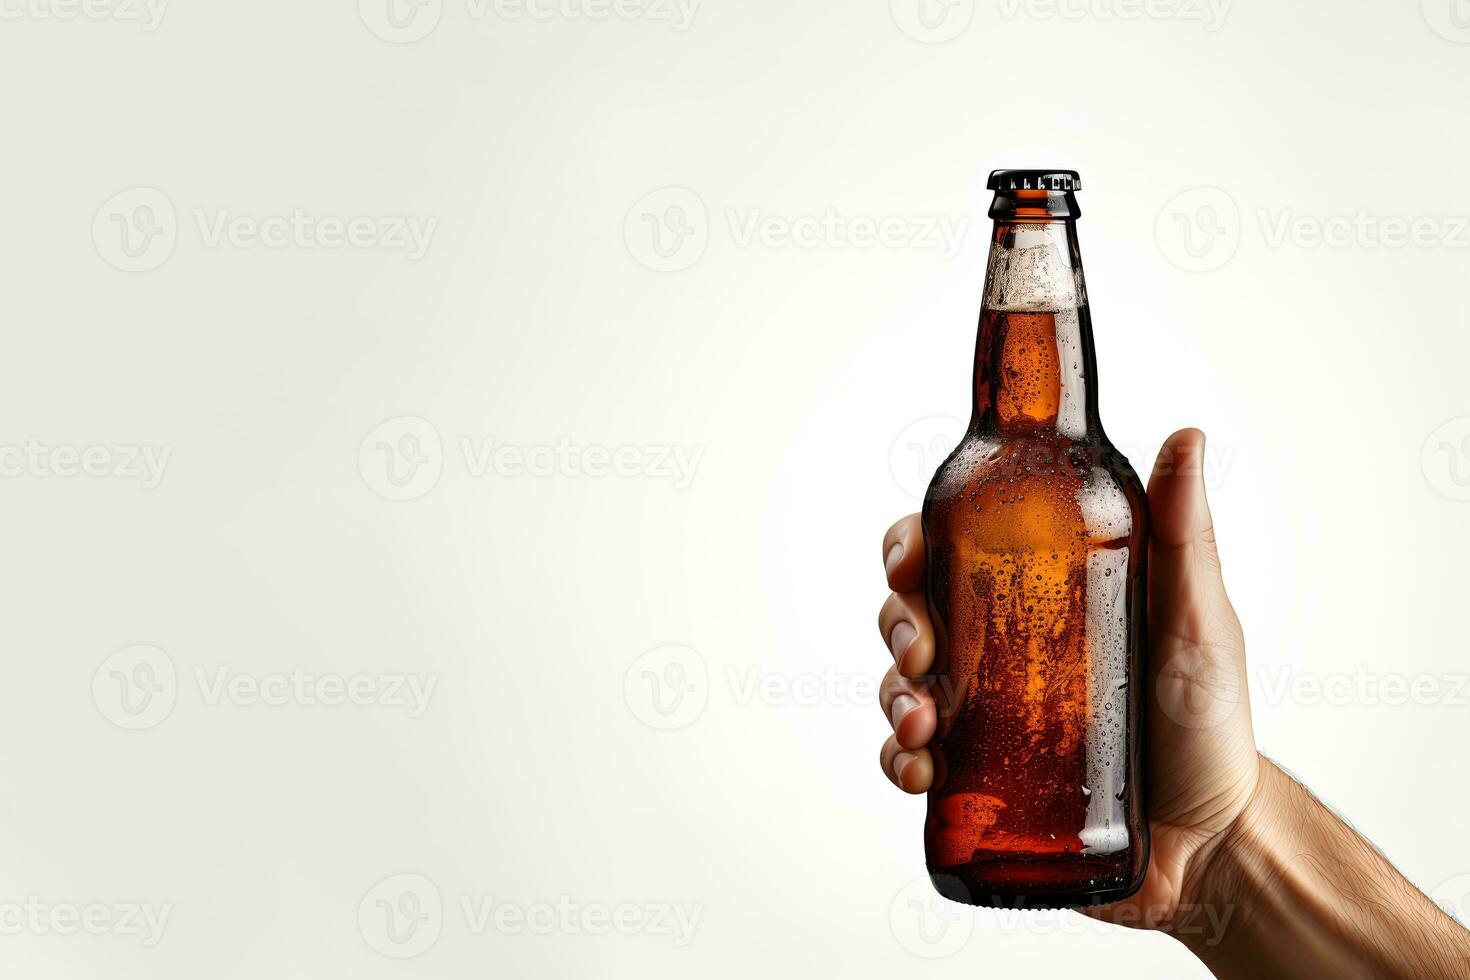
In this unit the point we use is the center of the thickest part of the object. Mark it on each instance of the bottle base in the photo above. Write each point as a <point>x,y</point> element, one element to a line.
<point>1033,884</point>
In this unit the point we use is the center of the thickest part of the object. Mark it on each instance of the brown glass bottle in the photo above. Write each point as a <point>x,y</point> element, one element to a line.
<point>1036,530</point>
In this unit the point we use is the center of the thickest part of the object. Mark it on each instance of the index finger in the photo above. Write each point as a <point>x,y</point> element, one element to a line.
<point>903,555</point>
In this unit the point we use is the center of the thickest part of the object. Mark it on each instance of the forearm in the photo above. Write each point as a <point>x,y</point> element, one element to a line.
<point>1306,896</point>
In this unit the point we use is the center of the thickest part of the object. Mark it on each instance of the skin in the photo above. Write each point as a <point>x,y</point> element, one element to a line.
<point>1295,891</point>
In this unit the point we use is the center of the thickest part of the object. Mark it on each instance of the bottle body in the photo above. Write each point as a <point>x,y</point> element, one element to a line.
<point>1036,531</point>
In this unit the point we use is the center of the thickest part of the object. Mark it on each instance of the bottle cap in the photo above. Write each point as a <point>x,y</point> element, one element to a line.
<point>1034,180</point>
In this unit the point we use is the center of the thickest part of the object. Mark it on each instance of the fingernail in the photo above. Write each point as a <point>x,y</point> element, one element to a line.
<point>894,556</point>
<point>901,706</point>
<point>900,763</point>
<point>898,641</point>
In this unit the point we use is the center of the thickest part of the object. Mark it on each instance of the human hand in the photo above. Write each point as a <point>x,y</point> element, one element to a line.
<point>1201,762</point>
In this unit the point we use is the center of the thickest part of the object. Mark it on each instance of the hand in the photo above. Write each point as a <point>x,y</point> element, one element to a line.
<point>1202,766</point>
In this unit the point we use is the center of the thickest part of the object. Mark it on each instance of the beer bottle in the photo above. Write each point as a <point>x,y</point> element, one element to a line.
<point>1036,530</point>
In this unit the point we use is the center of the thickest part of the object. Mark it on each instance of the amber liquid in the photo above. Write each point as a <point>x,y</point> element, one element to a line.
<point>1036,529</point>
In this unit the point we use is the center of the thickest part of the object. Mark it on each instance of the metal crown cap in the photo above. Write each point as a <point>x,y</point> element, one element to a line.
<point>1034,180</point>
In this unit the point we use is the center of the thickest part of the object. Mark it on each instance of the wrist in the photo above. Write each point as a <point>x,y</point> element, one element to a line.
<point>1231,869</point>
<point>1294,891</point>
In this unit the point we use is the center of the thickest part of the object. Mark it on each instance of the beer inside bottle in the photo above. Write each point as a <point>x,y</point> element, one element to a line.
<point>1036,530</point>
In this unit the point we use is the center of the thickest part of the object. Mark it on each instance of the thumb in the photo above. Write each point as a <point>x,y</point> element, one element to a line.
<point>1198,656</point>
<point>1184,563</point>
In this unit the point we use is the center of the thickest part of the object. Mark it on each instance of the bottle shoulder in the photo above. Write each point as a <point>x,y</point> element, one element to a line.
<point>1046,488</point>
<point>981,458</point>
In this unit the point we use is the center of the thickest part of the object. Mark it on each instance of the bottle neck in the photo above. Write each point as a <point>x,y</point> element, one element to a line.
<point>1035,367</point>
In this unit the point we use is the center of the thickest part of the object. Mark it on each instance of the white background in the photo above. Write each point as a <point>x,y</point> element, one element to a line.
<point>800,381</point>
